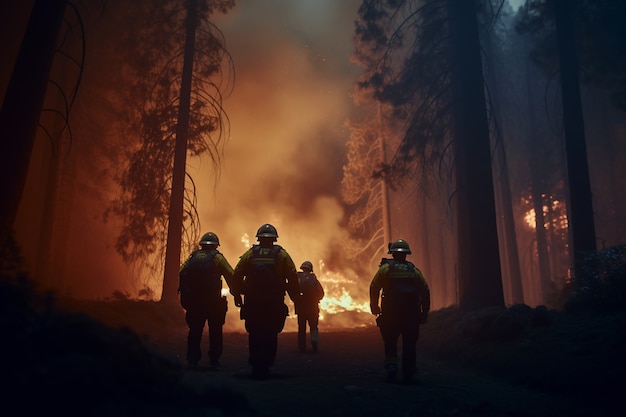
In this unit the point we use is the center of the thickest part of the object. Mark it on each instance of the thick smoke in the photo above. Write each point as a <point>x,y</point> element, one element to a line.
<point>283,161</point>
<point>284,158</point>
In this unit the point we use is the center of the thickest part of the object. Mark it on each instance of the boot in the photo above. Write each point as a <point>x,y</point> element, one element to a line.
<point>390,372</point>
<point>260,373</point>
<point>391,368</point>
<point>314,340</point>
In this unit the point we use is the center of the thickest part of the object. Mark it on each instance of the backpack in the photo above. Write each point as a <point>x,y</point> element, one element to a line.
<point>402,291</point>
<point>309,287</point>
<point>262,279</point>
<point>200,283</point>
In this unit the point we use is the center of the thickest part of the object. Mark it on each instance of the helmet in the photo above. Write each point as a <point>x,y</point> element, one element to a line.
<point>267,230</point>
<point>210,238</point>
<point>399,246</point>
<point>307,265</point>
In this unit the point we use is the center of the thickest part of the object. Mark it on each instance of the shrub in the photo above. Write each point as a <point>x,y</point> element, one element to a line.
<point>601,287</point>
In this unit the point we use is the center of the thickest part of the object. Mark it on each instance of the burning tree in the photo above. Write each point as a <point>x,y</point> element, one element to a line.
<point>180,71</point>
<point>363,186</point>
<point>430,77</point>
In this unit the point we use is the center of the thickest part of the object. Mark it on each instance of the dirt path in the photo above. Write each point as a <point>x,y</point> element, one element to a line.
<point>345,379</point>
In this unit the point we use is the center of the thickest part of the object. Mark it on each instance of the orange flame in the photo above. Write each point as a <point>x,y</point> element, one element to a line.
<point>338,298</point>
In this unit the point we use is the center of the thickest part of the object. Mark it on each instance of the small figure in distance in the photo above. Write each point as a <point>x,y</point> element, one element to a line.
<point>200,289</point>
<point>307,306</point>
<point>405,305</point>
<point>263,274</point>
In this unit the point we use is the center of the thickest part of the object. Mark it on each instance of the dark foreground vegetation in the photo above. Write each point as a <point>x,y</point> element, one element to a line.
<point>99,357</point>
<point>75,364</point>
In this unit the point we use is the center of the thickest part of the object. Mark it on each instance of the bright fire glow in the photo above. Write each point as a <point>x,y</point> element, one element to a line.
<point>337,298</point>
<point>345,302</point>
<point>245,239</point>
<point>529,218</point>
<point>555,207</point>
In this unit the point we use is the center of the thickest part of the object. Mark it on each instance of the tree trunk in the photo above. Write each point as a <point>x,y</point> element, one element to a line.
<point>537,189</point>
<point>480,280</point>
<point>424,262</point>
<point>542,241</point>
<point>22,104</point>
<point>383,183</point>
<point>175,224</point>
<point>509,235</point>
<point>580,205</point>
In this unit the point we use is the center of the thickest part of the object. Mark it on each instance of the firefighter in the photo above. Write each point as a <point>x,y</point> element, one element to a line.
<point>262,275</point>
<point>405,305</point>
<point>200,289</point>
<point>307,306</point>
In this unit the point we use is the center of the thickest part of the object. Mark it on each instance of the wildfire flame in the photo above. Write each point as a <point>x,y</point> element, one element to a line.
<point>245,239</point>
<point>345,302</point>
<point>555,207</point>
<point>341,306</point>
<point>338,298</point>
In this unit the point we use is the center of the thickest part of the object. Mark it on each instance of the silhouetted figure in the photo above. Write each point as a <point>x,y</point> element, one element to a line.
<point>307,306</point>
<point>263,274</point>
<point>201,296</point>
<point>405,305</point>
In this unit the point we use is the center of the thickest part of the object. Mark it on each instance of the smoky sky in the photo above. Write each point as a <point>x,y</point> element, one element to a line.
<point>283,160</point>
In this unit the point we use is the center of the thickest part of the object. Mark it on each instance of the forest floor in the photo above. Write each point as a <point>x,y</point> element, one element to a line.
<point>126,358</point>
<point>346,379</point>
<point>495,362</point>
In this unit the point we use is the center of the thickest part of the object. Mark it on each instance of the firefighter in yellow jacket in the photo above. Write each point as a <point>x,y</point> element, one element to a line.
<point>263,274</point>
<point>200,290</point>
<point>405,305</point>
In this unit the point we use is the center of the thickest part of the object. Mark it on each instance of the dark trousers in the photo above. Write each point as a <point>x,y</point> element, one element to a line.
<point>263,346</point>
<point>196,321</point>
<point>312,318</point>
<point>391,329</point>
<point>264,321</point>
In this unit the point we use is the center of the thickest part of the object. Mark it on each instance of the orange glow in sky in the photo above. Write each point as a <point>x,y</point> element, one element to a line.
<point>283,160</point>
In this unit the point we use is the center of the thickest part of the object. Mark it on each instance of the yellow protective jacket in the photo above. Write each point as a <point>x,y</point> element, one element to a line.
<point>246,270</point>
<point>200,277</point>
<point>402,275</point>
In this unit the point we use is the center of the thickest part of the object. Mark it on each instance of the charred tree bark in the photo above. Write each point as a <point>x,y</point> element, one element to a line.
<point>581,205</point>
<point>480,279</point>
<point>22,104</point>
<point>175,224</point>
